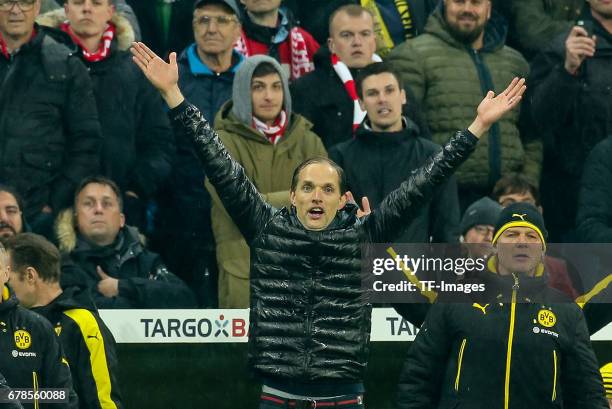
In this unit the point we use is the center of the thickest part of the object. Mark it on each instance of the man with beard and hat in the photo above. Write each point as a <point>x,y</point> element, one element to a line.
<point>460,56</point>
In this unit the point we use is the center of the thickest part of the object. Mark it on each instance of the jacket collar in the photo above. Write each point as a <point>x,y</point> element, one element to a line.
<point>366,134</point>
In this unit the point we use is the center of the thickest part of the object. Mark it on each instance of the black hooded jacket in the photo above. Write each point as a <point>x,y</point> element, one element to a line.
<point>376,163</point>
<point>309,320</point>
<point>30,353</point>
<point>89,348</point>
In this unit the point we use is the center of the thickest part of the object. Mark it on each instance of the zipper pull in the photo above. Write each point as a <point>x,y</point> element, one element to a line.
<point>515,287</point>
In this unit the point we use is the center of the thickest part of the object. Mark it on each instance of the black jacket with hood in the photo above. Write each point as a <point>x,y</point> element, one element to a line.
<point>144,280</point>
<point>376,163</point>
<point>521,345</point>
<point>31,355</point>
<point>49,129</point>
<point>89,348</point>
<point>309,320</point>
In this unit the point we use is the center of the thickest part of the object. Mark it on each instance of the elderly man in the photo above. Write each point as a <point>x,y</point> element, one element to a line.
<point>107,257</point>
<point>534,339</point>
<point>310,325</point>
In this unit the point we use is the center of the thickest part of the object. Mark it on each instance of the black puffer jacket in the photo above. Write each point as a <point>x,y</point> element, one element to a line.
<point>532,351</point>
<point>376,163</point>
<point>579,118</point>
<point>49,130</point>
<point>309,321</point>
<point>4,391</point>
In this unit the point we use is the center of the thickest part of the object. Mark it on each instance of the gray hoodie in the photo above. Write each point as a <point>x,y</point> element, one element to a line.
<point>242,106</point>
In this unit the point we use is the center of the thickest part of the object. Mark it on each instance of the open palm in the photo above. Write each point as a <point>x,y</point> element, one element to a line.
<point>492,107</point>
<point>163,75</point>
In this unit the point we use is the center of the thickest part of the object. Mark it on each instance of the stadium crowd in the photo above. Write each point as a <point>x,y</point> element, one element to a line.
<point>145,147</point>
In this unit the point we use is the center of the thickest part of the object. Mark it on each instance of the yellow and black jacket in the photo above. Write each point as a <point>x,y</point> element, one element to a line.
<point>30,354</point>
<point>523,346</point>
<point>89,347</point>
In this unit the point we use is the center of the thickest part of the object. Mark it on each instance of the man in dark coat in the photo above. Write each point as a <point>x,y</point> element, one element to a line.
<point>310,324</point>
<point>572,105</point>
<point>49,129</point>
<point>88,345</point>
<point>138,146</point>
<point>105,256</point>
<point>386,149</point>
<point>519,344</point>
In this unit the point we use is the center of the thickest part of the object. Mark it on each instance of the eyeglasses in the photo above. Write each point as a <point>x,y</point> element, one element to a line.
<point>24,5</point>
<point>221,21</point>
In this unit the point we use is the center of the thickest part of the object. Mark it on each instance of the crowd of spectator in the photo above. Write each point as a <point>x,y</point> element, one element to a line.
<point>90,161</point>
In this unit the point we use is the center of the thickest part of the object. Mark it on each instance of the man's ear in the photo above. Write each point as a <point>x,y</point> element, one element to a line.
<point>292,198</point>
<point>343,201</point>
<point>403,96</point>
<point>330,45</point>
<point>31,275</point>
<point>122,223</point>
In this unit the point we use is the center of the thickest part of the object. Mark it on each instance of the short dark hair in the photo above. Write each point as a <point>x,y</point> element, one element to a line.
<point>319,159</point>
<point>100,180</point>
<point>376,69</point>
<point>111,2</point>
<point>515,183</point>
<point>264,69</point>
<point>11,190</point>
<point>352,10</point>
<point>32,250</point>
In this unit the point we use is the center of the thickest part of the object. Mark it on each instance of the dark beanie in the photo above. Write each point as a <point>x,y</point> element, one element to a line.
<point>483,211</point>
<point>521,215</point>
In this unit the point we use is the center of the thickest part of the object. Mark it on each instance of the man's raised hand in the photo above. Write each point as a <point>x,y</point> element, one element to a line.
<point>492,107</point>
<point>163,75</point>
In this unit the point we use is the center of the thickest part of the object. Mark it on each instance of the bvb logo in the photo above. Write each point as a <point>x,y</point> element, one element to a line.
<point>23,339</point>
<point>546,318</point>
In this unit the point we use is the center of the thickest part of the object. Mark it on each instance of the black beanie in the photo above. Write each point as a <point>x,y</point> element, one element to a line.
<point>483,211</point>
<point>521,215</point>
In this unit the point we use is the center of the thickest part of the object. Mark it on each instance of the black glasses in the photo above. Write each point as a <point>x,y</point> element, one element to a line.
<point>221,21</point>
<point>24,5</point>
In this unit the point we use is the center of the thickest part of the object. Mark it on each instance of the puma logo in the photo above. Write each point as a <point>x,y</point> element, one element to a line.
<point>520,216</point>
<point>481,308</point>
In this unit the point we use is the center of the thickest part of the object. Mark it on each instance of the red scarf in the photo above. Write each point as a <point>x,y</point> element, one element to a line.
<point>4,48</point>
<point>275,131</point>
<point>103,50</point>
<point>299,50</point>
<point>346,77</point>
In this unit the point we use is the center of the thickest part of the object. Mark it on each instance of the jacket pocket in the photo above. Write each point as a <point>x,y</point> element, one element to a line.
<point>459,364</point>
<point>554,383</point>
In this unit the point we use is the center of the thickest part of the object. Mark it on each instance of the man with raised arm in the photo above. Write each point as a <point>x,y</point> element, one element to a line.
<point>309,319</point>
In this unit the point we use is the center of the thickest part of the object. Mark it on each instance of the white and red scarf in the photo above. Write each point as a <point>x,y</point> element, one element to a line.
<point>275,131</point>
<point>103,50</point>
<point>346,77</point>
<point>301,63</point>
